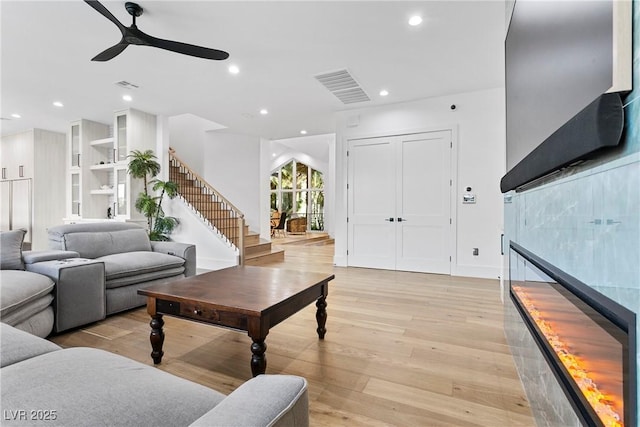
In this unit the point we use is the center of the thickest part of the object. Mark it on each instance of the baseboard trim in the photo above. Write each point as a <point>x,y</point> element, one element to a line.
<point>477,271</point>
<point>214,264</point>
<point>340,261</point>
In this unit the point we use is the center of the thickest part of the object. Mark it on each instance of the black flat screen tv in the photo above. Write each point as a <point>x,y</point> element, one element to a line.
<point>558,59</point>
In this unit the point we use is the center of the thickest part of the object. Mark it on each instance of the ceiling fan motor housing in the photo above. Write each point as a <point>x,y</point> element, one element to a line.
<point>134,9</point>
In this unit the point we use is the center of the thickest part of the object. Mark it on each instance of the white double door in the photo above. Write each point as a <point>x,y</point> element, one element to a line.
<point>399,202</point>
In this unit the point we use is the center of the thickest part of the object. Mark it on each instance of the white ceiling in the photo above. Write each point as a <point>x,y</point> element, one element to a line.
<point>279,47</point>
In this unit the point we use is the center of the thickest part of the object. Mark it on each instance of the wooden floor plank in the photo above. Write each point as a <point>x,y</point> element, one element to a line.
<point>401,349</point>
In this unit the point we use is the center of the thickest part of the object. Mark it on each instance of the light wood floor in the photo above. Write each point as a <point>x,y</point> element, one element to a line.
<point>402,349</point>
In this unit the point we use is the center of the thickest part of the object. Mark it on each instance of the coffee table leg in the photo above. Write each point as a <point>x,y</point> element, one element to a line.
<point>157,337</point>
<point>258,359</point>
<point>321,316</point>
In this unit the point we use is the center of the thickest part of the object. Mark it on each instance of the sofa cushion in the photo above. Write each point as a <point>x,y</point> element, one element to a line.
<point>11,249</point>
<point>57,233</point>
<point>90,387</point>
<point>32,257</point>
<point>21,288</point>
<point>40,324</point>
<point>101,243</point>
<point>28,310</point>
<point>17,345</point>
<point>133,263</point>
<point>145,277</point>
<point>287,405</point>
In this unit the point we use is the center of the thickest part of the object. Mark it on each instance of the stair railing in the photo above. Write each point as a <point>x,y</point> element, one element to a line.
<point>212,207</point>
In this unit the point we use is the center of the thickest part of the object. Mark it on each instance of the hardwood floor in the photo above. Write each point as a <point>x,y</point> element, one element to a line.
<point>402,349</point>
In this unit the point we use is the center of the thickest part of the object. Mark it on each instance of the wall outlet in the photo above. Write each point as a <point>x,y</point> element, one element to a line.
<point>475,251</point>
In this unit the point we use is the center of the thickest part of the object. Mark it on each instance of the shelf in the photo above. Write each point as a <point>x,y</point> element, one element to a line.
<point>103,192</point>
<point>106,166</point>
<point>104,141</point>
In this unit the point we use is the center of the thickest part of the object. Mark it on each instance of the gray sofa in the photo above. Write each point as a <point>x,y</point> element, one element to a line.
<point>26,297</point>
<point>131,260</point>
<point>43,384</point>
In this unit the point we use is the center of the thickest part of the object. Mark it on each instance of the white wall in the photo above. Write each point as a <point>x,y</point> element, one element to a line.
<point>232,166</point>
<point>212,253</point>
<point>315,146</point>
<point>188,136</point>
<point>311,150</point>
<point>478,123</point>
<point>265,188</point>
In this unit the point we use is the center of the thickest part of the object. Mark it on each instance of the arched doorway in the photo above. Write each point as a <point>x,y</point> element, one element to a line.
<point>298,190</point>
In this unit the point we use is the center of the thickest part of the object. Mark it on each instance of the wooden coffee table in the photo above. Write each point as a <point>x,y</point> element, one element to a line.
<point>251,299</point>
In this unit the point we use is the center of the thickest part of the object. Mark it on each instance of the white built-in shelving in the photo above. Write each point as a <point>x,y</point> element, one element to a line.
<point>99,184</point>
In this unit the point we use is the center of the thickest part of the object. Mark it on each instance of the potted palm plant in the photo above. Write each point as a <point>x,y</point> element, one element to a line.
<point>144,165</point>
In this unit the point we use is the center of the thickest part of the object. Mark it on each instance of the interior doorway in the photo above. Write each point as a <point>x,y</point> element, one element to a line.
<point>399,202</point>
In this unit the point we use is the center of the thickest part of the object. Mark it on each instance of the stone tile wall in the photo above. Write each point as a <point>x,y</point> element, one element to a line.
<point>586,221</point>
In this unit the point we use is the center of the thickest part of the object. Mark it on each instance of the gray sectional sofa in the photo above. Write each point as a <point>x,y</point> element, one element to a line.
<point>92,270</point>
<point>43,384</point>
<point>26,297</point>
<point>131,261</point>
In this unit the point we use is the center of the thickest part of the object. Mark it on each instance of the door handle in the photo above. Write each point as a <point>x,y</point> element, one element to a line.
<point>610,221</point>
<point>402,219</point>
<point>596,222</point>
<point>389,219</point>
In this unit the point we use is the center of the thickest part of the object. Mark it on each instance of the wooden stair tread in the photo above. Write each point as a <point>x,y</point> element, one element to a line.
<point>308,240</point>
<point>273,255</point>
<point>261,246</point>
<point>251,238</point>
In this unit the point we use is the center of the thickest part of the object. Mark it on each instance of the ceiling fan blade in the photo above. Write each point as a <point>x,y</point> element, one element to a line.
<point>105,12</point>
<point>186,49</point>
<point>112,52</point>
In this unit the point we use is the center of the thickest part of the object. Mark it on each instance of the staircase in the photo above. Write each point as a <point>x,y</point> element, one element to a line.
<point>257,250</point>
<point>315,239</point>
<point>220,215</point>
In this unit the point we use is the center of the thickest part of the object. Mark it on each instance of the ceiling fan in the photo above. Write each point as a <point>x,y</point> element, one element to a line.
<point>132,35</point>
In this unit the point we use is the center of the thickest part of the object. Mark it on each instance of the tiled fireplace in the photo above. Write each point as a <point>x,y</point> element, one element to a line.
<point>584,222</point>
<point>587,339</point>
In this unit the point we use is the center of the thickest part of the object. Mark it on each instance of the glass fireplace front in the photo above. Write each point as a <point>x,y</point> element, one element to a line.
<point>587,338</point>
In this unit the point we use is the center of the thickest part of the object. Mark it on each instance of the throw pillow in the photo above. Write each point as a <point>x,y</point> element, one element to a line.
<point>11,249</point>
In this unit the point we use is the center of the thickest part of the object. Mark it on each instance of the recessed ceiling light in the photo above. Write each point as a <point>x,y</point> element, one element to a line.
<point>16,116</point>
<point>58,104</point>
<point>233,69</point>
<point>415,20</point>
<point>264,111</point>
<point>384,92</point>
<point>273,155</point>
<point>304,132</point>
<point>127,98</point>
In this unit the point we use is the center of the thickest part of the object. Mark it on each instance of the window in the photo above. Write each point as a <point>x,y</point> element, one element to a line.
<point>298,190</point>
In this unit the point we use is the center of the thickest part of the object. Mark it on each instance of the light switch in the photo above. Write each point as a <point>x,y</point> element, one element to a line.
<point>469,198</point>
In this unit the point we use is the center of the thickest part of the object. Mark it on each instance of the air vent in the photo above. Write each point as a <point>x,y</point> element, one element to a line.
<point>127,85</point>
<point>343,86</point>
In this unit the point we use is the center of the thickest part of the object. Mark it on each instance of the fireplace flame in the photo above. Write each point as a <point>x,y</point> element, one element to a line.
<point>599,401</point>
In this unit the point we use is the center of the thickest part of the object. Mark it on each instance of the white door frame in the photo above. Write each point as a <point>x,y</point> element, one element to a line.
<point>453,128</point>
